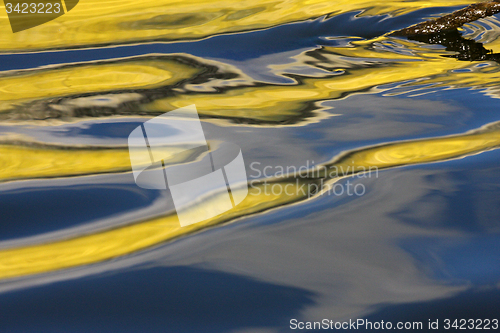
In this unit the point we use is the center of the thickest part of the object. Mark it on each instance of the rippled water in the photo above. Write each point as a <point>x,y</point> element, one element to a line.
<point>311,84</point>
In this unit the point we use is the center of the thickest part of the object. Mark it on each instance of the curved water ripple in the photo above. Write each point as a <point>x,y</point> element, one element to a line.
<point>292,80</point>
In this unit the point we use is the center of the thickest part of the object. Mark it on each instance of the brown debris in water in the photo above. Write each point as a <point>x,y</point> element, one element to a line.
<point>452,21</point>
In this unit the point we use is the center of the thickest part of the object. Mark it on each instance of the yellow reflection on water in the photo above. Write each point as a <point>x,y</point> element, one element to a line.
<point>94,22</point>
<point>279,103</point>
<point>363,67</point>
<point>422,151</point>
<point>123,240</point>
<point>120,241</point>
<point>28,161</point>
<point>22,87</point>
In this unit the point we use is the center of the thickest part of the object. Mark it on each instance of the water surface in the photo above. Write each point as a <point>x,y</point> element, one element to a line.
<point>294,84</point>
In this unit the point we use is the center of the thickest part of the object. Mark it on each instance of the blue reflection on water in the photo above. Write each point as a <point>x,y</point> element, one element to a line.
<point>294,36</point>
<point>175,299</point>
<point>62,207</point>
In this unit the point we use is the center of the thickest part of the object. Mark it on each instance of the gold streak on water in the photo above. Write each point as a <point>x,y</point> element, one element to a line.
<point>30,162</point>
<point>422,151</point>
<point>381,67</point>
<point>97,22</point>
<point>101,246</point>
<point>366,65</point>
<point>94,22</point>
<point>121,241</point>
<point>273,103</point>
<point>21,87</point>
<point>267,103</point>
